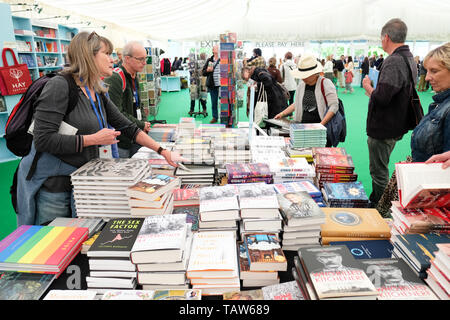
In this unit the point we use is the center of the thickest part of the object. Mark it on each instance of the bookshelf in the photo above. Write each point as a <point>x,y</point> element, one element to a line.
<point>41,45</point>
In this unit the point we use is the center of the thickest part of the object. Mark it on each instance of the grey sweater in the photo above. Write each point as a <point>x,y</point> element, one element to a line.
<point>51,109</point>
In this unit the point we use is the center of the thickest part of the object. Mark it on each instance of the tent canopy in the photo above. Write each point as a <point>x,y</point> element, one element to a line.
<point>256,20</point>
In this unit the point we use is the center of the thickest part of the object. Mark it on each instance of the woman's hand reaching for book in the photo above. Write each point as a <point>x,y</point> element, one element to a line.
<point>442,157</point>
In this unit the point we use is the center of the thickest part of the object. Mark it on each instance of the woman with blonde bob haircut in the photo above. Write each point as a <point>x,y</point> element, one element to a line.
<point>65,139</point>
<point>432,134</point>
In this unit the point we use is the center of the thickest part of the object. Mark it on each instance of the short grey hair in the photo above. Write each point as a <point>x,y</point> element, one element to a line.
<point>396,29</point>
<point>128,49</point>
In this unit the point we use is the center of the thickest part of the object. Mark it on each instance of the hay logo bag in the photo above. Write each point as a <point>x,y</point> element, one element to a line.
<point>14,79</point>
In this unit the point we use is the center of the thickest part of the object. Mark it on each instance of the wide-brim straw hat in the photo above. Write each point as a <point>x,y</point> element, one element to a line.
<point>307,66</point>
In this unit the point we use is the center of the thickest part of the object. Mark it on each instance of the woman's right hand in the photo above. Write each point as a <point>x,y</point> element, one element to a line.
<point>279,116</point>
<point>103,137</point>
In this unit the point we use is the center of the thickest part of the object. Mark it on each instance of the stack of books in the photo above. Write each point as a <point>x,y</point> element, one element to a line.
<point>264,259</point>
<point>227,90</point>
<point>196,150</point>
<point>152,195</point>
<point>219,208</point>
<point>353,224</point>
<point>333,166</point>
<point>281,291</point>
<point>395,280</point>
<point>345,195</point>
<point>100,186</point>
<point>418,250</point>
<point>41,249</point>
<point>187,201</point>
<point>161,252</point>
<point>213,264</point>
<point>203,175</point>
<point>185,128</point>
<point>248,173</point>
<point>93,224</point>
<point>231,146</point>
<point>291,169</point>
<point>109,256</point>
<point>157,162</point>
<point>335,274</point>
<point>302,219</point>
<point>259,208</point>
<point>305,135</point>
<point>253,278</point>
<point>439,272</point>
<point>162,132</point>
<point>302,185</point>
<point>300,153</point>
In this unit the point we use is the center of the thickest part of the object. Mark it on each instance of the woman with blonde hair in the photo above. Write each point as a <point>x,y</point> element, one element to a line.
<point>59,153</point>
<point>276,74</point>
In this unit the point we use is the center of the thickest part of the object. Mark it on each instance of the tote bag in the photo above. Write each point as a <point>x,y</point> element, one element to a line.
<point>14,79</point>
<point>261,108</point>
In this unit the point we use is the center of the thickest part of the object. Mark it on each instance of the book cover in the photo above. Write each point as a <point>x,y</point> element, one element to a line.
<point>297,186</point>
<point>354,222</point>
<point>187,294</point>
<point>283,291</point>
<point>152,187</point>
<point>290,165</point>
<point>117,238</point>
<point>334,161</point>
<point>23,286</point>
<point>247,170</point>
<point>186,195</point>
<point>218,198</point>
<point>257,195</point>
<point>353,191</point>
<point>264,252</point>
<point>368,249</point>
<point>299,206</point>
<point>244,295</point>
<point>425,219</point>
<point>395,280</point>
<point>116,169</point>
<point>70,295</point>
<point>334,273</point>
<point>167,232</point>
<point>93,224</point>
<point>192,214</point>
<point>329,151</point>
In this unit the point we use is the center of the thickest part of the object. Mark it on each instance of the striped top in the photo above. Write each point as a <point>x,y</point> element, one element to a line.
<point>216,74</point>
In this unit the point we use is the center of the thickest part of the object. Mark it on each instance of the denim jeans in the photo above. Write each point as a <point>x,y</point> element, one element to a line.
<point>50,205</point>
<point>214,101</point>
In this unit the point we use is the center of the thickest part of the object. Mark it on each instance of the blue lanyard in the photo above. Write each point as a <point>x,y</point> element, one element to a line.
<point>102,120</point>
<point>135,92</point>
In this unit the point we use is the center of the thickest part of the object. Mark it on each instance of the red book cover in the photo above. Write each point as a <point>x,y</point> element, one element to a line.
<point>329,151</point>
<point>334,161</point>
<point>185,194</point>
<point>248,170</point>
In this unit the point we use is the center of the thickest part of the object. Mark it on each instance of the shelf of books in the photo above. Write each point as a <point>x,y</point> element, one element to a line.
<point>150,83</point>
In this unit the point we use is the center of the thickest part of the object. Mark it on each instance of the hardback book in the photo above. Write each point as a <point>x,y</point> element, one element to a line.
<point>442,257</point>
<point>195,170</point>
<point>301,234</point>
<point>283,291</point>
<point>422,220</point>
<point>354,222</point>
<point>149,211</point>
<point>244,295</point>
<point>43,249</point>
<point>264,252</point>
<point>328,240</point>
<point>368,249</point>
<point>161,239</point>
<point>334,273</point>
<point>219,203</point>
<point>110,169</point>
<point>248,283</point>
<point>299,274</point>
<point>220,224</point>
<point>128,295</point>
<point>395,280</point>
<point>217,289</point>
<point>70,295</point>
<point>303,185</point>
<point>261,225</point>
<point>186,197</point>
<point>153,187</point>
<point>248,170</point>
<point>419,248</point>
<point>125,283</point>
<point>162,277</point>
<point>298,209</point>
<point>23,286</point>
<point>335,161</point>
<point>257,196</point>
<point>112,274</point>
<point>244,266</point>
<point>440,275</point>
<point>116,238</point>
<point>213,255</point>
<point>186,294</point>
<point>422,185</point>
<point>94,224</point>
<point>191,212</point>
<point>88,243</point>
<point>300,241</point>
<point>112,264</point>
<point>345,193</point>
<point>164,287</point>
<point>157,203</point>
<point>433,283</point>
<point>290,165</point>
<point>329,151</point>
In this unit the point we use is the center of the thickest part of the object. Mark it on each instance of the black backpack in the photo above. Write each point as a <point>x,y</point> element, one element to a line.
<point>343,132</point>
<point>18,140</point>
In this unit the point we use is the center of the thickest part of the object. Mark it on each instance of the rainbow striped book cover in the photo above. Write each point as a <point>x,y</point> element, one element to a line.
<point>41,249</point>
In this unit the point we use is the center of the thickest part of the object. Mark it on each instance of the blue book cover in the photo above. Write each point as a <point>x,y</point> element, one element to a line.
<point>420,247</point>
<point>345,191</point>
<point>368,249</point>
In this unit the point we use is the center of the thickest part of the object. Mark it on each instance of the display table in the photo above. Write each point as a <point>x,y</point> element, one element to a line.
<point>183,74</point>
<point>170,83</point>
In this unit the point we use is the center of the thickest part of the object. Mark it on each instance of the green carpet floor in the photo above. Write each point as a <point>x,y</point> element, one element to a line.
<point>176,104</point>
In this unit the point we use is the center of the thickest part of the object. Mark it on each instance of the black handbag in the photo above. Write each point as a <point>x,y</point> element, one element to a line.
<point>415,113</point>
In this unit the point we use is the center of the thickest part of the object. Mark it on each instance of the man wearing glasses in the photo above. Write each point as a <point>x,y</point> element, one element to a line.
<point>125,95</point>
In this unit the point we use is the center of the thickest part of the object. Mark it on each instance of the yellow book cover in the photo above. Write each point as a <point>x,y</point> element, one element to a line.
<point>327,240</point>
<point>354,222</point>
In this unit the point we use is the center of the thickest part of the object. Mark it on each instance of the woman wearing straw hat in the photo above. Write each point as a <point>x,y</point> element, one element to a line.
<point>309,104</point>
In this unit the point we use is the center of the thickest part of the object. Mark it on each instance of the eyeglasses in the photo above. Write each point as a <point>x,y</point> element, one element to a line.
<point>93,33</point>
<point>141,60</point>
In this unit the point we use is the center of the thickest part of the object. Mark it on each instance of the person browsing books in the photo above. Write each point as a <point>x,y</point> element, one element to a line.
<point>128,100</point>
<point>309,104</point>
<point>432,134</point>
<point>49,193</point>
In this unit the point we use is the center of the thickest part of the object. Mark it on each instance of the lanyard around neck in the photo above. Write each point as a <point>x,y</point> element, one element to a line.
<point>100,118</point>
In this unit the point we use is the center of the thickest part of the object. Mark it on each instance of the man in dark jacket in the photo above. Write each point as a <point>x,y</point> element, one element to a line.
<point>211,71</point>
<point>387,117</point>
<point>128,101</point>
<point>340,67</point>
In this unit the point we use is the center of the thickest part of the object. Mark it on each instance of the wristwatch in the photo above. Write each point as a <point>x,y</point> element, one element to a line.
<point>160,150</point>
